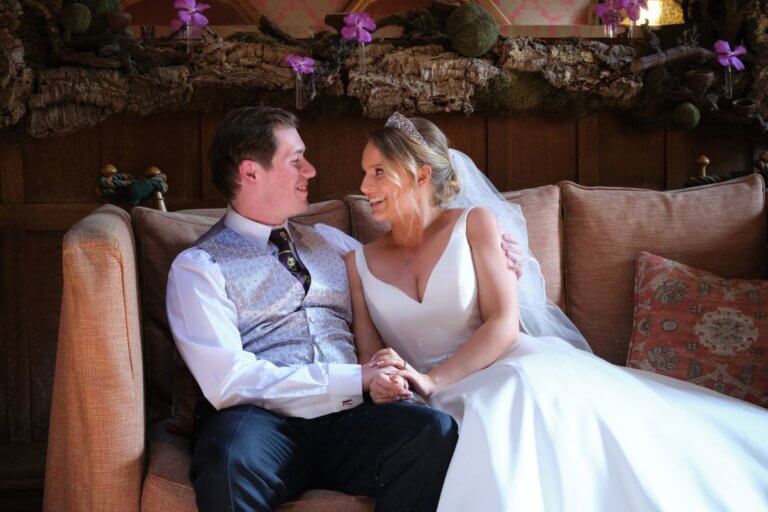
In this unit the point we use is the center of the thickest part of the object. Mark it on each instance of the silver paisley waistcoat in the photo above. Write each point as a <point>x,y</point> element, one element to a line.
<point>277,320</point>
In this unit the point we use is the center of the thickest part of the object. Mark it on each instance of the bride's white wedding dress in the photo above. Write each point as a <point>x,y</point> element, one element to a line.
<point>549,427</point>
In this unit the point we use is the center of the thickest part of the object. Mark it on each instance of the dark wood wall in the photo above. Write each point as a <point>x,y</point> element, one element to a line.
<point>47,185</point>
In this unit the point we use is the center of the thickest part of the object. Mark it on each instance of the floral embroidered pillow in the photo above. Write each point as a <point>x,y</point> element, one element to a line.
<point>696,326</point>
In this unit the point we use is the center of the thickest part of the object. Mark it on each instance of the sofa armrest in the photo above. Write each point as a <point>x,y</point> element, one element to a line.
<point>96,444</point>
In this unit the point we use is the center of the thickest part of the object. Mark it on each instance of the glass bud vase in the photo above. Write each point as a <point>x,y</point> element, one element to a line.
<point>728,82</point>
<point>610,30</point>
<point>361,57</point>
<point>631,29</point>
<point>299,92</point>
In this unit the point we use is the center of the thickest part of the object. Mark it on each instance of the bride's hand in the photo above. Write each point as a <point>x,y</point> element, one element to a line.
<point>387,357</point>
<point>421,383</point>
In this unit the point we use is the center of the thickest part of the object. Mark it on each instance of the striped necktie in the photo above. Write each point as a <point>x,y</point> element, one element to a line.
<point>282,241</point>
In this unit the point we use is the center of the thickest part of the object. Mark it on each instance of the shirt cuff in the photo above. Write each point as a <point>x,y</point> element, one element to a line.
<point>346,383</point>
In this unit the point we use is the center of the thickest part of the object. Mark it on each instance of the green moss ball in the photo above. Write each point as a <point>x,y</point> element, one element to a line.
<point>515,92</point>
<point>472,30</point>
<point>76,18</point>
<point>98,10</point>
<point>686,116</point>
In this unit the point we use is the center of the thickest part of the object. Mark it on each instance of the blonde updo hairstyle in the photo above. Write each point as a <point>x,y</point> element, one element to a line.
<point>401,153</point>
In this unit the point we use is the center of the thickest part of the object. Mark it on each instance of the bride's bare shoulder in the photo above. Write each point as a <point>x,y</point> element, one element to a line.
<point>481,224</point>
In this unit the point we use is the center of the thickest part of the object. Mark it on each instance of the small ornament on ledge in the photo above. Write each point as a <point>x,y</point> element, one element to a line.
<point>759,166</point>
<point>359,26</point>
<point>301,66</point>
<point>124,188</point>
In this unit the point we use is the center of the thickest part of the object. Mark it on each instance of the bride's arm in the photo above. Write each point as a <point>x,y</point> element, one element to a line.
<point>384,388</point>
<point>497,295</point>
<point>367,338</point>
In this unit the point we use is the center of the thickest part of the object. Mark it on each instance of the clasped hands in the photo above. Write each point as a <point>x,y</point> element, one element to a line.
<point>391,378</point>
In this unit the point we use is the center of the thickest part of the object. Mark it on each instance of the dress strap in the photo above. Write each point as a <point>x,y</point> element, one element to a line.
<point>360,263</point>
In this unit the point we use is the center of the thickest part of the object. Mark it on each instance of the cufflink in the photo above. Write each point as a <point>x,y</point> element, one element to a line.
<point>346,403</point>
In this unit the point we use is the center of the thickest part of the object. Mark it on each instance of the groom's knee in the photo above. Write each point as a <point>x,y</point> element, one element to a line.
<point>435,433</point>
<point>442,433</point>
<point>241,459</point>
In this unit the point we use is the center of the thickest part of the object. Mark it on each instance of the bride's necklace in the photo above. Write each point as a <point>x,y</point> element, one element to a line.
<point>406,259</point>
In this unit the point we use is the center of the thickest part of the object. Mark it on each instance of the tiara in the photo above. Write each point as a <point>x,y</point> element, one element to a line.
<point>405,125</point>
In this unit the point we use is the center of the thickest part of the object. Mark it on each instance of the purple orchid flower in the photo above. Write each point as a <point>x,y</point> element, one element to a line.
<point>728,58</point>
<point>189,12</point>
<point>633,8</point>
<point>608,11</point>
<point>359,26</point>
<point>300,64</point>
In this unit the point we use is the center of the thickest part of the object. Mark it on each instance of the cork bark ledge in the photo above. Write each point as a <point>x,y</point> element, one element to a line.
<point>63,90</point>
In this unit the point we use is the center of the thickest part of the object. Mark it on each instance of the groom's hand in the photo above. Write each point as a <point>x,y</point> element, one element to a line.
<point>369,373</point>
<point>514,253</point>
<point>388,388</point>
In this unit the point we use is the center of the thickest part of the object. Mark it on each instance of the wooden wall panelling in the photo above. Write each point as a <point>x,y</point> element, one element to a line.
<point>62,169</point>
<point>209,123</point>
<point>467,134</point>
<point>169,141</point>
<point>41,296</point>
<point>334,147</point>
<point>530,151</point>
<point>16,336</point>
<point>11,175</point>
<point>588,143</point>
<point>5,305</point>
<point>729,149</point>
<point>11,193</point>
<point>629,156</point>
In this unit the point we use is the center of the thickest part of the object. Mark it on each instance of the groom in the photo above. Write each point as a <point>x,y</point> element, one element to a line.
<point>260,310</point>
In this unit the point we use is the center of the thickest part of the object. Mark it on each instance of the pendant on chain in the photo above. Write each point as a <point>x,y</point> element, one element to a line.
<point>406,261</point>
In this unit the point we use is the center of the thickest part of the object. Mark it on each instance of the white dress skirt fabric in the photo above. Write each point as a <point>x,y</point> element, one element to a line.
<point>552,428</point>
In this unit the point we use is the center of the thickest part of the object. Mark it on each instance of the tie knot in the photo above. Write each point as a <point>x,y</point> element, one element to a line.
<point>280,237</point>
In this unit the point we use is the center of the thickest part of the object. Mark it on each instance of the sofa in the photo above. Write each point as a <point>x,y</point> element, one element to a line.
<point>116,438</point>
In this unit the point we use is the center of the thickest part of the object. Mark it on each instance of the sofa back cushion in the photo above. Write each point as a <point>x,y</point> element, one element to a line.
<point>541,207</point>
<point>719,228</point>
<point>161,236</point>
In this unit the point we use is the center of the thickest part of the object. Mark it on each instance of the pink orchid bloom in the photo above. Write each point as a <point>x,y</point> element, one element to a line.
<point>608,11</point>
<point>728,58</point>
<point>633,8</point>
<point>301,65</point>
<point>189,12</point>
<point>359,26</point>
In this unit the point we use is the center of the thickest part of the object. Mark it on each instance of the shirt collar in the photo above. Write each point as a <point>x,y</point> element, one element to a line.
<point>255,232</point>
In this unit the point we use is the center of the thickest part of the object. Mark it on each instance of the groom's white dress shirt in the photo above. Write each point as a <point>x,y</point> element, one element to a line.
<point>204,324</point>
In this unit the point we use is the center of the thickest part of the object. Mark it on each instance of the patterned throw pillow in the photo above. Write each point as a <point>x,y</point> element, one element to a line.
<point>696,326</point>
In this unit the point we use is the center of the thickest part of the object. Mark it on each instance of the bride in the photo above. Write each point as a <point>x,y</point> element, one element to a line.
<point>544,424</point>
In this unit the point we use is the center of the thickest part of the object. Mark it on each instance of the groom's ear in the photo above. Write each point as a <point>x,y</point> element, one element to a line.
<point>249,171</point>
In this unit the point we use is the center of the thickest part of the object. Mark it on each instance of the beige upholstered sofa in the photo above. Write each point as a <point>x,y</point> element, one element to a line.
<point>116,372</point>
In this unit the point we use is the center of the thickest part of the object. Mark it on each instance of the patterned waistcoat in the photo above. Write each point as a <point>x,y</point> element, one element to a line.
<point>276,319</point>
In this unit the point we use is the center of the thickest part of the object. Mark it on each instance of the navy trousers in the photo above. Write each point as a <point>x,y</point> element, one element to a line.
<point>246,458</point>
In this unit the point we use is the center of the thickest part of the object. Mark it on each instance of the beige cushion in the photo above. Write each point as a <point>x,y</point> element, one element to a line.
<point>167,487</point>
<point>541,207</point>
<point>719,228</point>
<point>160,237</point>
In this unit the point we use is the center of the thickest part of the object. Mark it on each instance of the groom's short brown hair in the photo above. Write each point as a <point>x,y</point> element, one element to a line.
<point>245,134</point>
